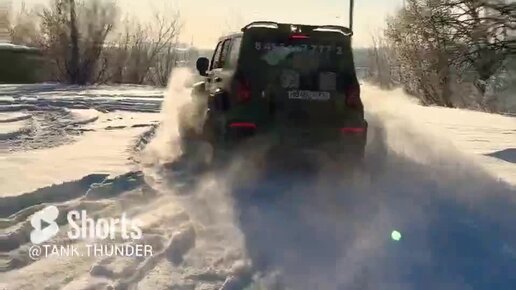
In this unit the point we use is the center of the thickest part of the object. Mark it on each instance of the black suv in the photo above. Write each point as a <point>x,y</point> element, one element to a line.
<point>295,84</point>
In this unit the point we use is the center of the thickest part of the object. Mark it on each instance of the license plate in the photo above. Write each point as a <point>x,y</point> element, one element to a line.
<point>309,95</point>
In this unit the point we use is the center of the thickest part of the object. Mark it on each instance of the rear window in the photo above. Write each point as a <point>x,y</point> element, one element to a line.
<point>320,61</point>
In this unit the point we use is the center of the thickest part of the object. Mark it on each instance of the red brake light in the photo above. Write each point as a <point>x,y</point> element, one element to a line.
<point>243,125</point>
<point>243,91</point>
<point>352,130</point>
<point>298,36</point>
<point>353,96</point>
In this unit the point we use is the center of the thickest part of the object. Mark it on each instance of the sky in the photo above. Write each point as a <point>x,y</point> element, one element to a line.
<point>205,20</point>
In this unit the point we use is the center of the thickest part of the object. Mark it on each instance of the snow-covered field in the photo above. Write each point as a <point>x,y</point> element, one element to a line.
<point>488,139</point>
<point>443,178</point>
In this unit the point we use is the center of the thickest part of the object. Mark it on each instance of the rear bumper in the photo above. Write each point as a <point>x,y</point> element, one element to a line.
<point>344,140</point>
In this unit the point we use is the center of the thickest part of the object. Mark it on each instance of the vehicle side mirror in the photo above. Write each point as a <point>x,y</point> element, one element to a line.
<point>202,65</point>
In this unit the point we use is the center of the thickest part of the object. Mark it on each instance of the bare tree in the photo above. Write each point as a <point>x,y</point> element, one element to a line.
<point>116,55</point>
<point>380,62</point>
<point>481,31</point>
<point>422,45</point>
<point>55,39</point>
<point>73,62</point>
<point>443,44</point>
<point>74,34</point>
<point>24,27</point>
<point>146,52</point>
<point>161,52</point>
<point>94,34</point>
<point>165,62</point>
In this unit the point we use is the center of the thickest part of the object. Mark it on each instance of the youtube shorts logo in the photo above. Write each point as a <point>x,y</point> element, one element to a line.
<point>44,225</point>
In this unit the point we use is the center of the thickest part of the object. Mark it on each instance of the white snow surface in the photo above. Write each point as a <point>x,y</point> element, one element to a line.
<point>84,116</point>
<point>14,126</point>
<point>13,117</point>
<point>94,152</point>
<point>444,178</point>
<point>473,133</point>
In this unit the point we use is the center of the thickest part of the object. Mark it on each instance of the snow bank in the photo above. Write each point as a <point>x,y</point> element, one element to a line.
<point>104,152</point>
<point>81,117</point>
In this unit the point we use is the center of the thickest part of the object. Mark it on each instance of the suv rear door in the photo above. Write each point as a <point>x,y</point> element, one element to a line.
<point>305,76</point>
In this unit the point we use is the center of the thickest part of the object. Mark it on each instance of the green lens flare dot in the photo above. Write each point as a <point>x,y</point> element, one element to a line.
<point>395,235</point>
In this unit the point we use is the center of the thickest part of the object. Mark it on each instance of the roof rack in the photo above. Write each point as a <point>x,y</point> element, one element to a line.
<point>305,28</point>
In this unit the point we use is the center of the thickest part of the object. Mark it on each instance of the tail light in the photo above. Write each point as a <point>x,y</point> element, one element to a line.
<point>243,91</point>
<point>298,36</point>
<point>245,125</point>
<point>352,130</point>
<point>353,96</point>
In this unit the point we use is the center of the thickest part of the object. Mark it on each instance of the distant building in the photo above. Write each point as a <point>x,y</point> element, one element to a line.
<point>20,64</point>
<point>5,46</point>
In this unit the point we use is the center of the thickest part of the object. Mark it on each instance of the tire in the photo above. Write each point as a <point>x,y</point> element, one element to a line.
<point>197,155</point>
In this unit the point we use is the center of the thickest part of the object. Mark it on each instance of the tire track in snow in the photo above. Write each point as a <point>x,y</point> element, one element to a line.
<point>8,118</point>
<point>50,127</point>
<point>98,194</point>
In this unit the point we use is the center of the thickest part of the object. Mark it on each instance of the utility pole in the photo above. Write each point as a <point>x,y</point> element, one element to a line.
<point>351,8</point>
<point>74,39</point>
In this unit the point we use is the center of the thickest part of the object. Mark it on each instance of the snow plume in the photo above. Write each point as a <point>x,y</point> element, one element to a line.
<point>165,146</point>
<point>325,231</point>
<point>206,198</point>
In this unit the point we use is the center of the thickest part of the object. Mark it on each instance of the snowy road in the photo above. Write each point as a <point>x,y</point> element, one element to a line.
<point>444,178</point>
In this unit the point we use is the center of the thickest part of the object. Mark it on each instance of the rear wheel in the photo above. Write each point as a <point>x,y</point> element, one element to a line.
<point>197,155</point>
<point>190,118</point>
<point>196,147</point>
